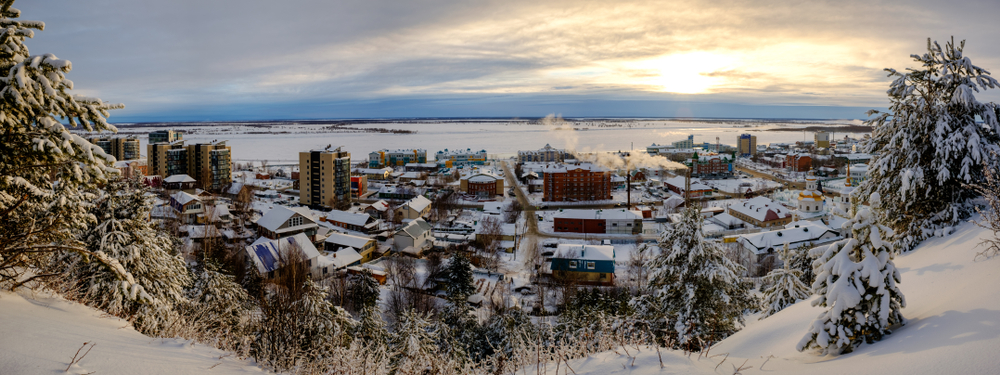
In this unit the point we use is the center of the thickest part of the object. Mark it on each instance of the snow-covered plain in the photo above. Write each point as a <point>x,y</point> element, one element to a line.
<point>282,143</point>
<point>40,333</point>
<point>953,313</point>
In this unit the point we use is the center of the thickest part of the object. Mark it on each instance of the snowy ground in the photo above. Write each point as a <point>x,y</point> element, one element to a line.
<point>40,333</point>
<point>953,327</point>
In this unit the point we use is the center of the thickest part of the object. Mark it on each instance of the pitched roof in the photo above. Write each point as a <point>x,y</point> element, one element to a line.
<point>348,240</point>
<point>267,254</point>
<point>178,178</point>
<point>418,203</point>
<point>679,183</point>
<point>585,252</point>
<point>798,235</point>
<point>277,216</point>
<point>341,258</point>
<point>415,228</point>
<point>349,218</point>
<point>183,198</point>
<point>759,207</point>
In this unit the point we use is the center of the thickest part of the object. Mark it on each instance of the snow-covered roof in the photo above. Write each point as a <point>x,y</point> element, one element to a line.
<point>348,240</point>
<point>798,235</point>
<point>608,214</point>
<point>726,219</point>
<point>350,218</point>
<point>481,178</point>
<point>277,216</point>
<point>563,167</point>
<point>183,198</point>
<point>235,188</point>
<point>679,183</point>
<point>178,178</point>
<point>758,208</point>
<point>415,228</point>
<point>268,254</point>
<point>493,207</point>
<point>381,205</point>
<point>418,203</point>
<point>341,258</point>
<point>585,252</point>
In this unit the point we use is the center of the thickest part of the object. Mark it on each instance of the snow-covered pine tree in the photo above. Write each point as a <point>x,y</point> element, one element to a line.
<point>856,282</point>
<point>413,343</point>
<point>370,328</point>
<point>220,309</point>
<point>802,260</point>
<point>695,293</point>
<point>157,275</point>
<point>44,169</point>
<point>458,275</point>
<point>784,285</point>
<point>929,143</point>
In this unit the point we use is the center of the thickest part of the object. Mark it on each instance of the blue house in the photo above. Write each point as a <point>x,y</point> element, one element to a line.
<point>584,264</point>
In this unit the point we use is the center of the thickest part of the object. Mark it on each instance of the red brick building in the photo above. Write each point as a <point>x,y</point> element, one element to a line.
<point>798,162</point>
<point>482,185</point>
<point>711,165</point>
<point>576,182</point>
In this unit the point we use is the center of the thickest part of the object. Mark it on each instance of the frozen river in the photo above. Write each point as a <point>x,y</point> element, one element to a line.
<point>282,143</point>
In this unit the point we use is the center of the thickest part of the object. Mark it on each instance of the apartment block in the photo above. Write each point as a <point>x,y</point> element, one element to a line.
<point>458,158</point>
<point>324,177</point>
<point>396,158</point>
<point>575,183</point>
<point>747,145</point>
<point>165,136</point>
<point>208,163</point>
<point>122,149</point>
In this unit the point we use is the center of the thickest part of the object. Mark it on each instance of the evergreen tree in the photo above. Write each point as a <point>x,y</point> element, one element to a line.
<point>414,344</point>
<point>930,143</point>
<point>856,282</point>
<point>44,169</point>
<point>505,333</point>
<point>370,327</point>
<point>785,286</point>
<point>695,293</point>
<point>220,307</point>
<point>802,261</point>
<point>458,276</point>
<point>157,276</point>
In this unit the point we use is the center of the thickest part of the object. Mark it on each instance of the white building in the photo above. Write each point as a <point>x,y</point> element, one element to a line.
<point>797,234</point>
<point>810,200</point>
<point>413,237</point>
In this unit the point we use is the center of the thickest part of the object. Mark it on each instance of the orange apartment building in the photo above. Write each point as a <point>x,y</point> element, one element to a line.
<point>575,183</point>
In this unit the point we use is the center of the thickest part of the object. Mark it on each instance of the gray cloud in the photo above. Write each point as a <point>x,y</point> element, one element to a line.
<point>167,56</point>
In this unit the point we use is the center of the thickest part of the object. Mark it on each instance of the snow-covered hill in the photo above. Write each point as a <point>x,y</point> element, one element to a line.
<point>953,313</point>
<point>41,333</point>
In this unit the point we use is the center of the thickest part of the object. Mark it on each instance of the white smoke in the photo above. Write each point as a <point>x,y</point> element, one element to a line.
<point>636,159</point>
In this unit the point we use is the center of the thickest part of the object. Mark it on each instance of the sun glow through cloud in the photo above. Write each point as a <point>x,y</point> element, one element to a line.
<point>687,73</point>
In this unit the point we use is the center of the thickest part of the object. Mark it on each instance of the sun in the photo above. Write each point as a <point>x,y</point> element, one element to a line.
<point>688,73</point>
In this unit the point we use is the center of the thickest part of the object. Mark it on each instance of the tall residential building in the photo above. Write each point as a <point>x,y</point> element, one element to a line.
<point>211,164</point>
<point>324,177</point>
<point>208,163</point>
<point>165,136</point>
<point>687,143</point>
<point>396,158</point>
<point>457,158</point>
<point>122,149</point>
<point>747,145</point>
<point>822,139</point>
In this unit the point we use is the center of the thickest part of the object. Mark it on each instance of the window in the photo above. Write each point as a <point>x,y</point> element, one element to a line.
<point>295,221</point>
<point>591,265</point>
<point>572,264</point>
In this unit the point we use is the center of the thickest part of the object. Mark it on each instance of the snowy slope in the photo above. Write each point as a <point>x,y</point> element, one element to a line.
<point>953,312</point>
<point>39,335</point>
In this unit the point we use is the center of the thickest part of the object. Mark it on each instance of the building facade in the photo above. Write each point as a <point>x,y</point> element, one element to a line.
<point>459,158</point>
<point>822,139</point>
<point>616,221</point>
<point>798,162</point>
<point>396,158</point>
<point>576,182</point>
<point>746,145</point>
<point>165,136</point>
<point>359,186</point>
<point>324,177</point>
<point>121,148</point>
<point>209,163</point>
<point>711,165</point>
<point>482,185</point>
<point>545,154</point>
<point>584,264</point>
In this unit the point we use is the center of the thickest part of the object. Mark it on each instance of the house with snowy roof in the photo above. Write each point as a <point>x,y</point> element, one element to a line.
<point>584,264</point>
<point>761,212</point>
<point>612,221</point>
<point>364,246</point>
<point>270,256</point>
<point>414,208</point>
<point>698,189</point>
<point>377,209</point>
<point>186,207</point>
<point>413,237</point>
<point>356,221</point>
<point>797,234</point>
<point>282,222</point>
<point>179,182</point>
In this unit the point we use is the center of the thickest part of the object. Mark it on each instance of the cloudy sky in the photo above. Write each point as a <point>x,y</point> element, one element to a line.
<point>292,59</point>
